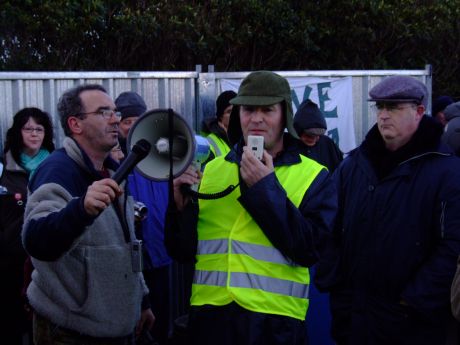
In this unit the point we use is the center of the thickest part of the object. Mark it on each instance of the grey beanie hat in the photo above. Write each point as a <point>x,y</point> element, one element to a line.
<point>130,104</point>
<point>452,110</point>
<point>451,135</point>
<point>258,89</point>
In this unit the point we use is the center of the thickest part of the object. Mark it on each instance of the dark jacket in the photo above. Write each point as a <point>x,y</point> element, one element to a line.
<point>325,152</point>
<point>12,204</point>
<point>397,241</point>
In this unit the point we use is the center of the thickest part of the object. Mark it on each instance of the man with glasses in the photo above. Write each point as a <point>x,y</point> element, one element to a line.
<point>397,237</point>
<point>87,287</point>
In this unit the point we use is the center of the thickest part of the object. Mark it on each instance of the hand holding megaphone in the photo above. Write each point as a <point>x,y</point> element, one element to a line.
<point>182,185</point>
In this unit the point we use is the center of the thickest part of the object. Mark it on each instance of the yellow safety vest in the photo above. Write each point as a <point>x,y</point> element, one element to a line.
<point>235,260</point>
<point>217,145</point>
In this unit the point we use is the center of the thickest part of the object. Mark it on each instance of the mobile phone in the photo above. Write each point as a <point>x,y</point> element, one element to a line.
<point>256,144</point>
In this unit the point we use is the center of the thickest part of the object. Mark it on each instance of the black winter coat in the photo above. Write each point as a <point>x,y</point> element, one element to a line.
<point>12,205</point>
<point>397,243</point>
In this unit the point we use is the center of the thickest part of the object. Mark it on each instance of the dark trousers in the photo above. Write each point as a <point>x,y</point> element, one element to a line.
<point>234,325</point>
<point>48,333</point>
<point>157,280</point>
<point>13,321</point>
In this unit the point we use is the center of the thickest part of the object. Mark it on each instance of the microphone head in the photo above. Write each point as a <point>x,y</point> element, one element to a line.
<point>141,148</point>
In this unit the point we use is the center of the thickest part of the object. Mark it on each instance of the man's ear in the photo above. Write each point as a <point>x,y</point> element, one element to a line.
<point>420,111</point>
<point>74,124</point>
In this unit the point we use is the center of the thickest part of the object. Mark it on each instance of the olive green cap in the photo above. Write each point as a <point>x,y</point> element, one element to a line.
<point>258,89</point>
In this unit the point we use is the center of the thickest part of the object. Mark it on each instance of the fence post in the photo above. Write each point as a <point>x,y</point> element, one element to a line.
<point>206,96</point>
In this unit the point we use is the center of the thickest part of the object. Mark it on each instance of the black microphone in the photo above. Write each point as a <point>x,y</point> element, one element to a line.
<point>138,153</point>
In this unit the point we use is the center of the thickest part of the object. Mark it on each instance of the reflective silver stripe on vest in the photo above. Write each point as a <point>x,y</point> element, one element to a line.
<point>214,144</point>
<point>252,281</point>
<point>210,278</point>
<point>260,252</point>
<point>275,285</point>
<point>212,247</point>
<point>256,251</point>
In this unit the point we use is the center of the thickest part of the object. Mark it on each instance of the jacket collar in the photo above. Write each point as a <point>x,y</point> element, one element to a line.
<point>425,141</point>
<point>11,164</point>
<point>82,159</point>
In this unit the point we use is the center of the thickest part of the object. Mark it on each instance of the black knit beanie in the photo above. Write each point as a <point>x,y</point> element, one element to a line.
<point>222,102</point>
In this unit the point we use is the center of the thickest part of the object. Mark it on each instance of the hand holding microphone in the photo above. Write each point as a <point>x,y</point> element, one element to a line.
<point>101,193</point>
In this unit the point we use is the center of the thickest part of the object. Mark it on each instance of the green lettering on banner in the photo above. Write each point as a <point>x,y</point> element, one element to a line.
<point>323,98</point>
<point>334,135</point>
<point>306,95</point>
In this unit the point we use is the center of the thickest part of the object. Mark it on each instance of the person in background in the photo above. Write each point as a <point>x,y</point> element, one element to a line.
<point>28,142</point>
<point>133,106</point>
<point>311,127</point>
<point>154,195</point>
<point>87,286</point>
<point>451,134</point>
<point>216,127</point>
<point>253,246</point>
<point>397,237</point>
<point>439,104</point>
<point>117,153</point>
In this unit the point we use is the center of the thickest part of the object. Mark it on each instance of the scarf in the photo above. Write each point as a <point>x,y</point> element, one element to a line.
<point>31,163</point>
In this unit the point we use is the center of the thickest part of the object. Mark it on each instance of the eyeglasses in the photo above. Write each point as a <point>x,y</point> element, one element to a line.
<point>391,107</point>
<point>106,113</point>
<point>30,130</point>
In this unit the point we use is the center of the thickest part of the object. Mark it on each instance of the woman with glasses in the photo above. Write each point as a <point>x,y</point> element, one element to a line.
<point>28,142</point>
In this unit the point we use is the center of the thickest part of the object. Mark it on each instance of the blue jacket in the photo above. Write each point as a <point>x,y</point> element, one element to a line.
<point>155,197</point>
<point>397,239</point>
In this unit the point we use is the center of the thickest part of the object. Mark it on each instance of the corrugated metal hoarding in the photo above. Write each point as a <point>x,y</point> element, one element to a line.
<point>191,94</point>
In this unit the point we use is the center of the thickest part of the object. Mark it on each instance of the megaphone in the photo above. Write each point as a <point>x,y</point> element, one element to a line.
<point>173,147</point>
<point>163,128</point>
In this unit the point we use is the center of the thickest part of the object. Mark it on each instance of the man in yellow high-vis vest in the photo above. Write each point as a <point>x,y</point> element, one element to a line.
<point>215,128</point>
<point>253,246</point>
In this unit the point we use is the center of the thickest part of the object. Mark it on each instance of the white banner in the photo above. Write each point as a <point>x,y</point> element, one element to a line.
<point>332,95</point>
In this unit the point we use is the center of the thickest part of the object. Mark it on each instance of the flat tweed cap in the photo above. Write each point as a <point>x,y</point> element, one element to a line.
<point>399,89</point>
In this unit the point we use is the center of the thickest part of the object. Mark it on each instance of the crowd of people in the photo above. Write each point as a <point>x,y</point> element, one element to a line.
<point>375,230</point>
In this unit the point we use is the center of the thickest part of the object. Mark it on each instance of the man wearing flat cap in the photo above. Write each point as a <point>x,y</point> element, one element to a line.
<point>397,237</point>
<point>252,247</point>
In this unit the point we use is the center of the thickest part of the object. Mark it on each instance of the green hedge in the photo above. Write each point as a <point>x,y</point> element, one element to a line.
<point>233,35</point>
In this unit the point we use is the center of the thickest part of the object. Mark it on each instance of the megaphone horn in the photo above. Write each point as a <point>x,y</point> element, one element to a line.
<point>153,126</point>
